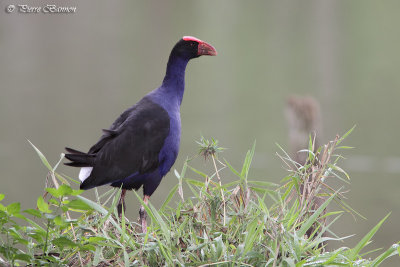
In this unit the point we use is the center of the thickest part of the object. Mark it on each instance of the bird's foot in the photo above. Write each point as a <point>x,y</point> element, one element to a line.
<point>143,222</point>
<point>121,203</point>
<point>120,208</point>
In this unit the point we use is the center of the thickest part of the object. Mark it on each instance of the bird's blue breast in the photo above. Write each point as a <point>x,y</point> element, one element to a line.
<point>170,149</point>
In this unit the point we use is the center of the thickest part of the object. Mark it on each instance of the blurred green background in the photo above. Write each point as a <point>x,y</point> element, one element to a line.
<point>63,77</point>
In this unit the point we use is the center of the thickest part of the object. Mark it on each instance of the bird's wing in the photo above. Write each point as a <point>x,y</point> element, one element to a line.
<point>131,147</point>
<point>112,132</point>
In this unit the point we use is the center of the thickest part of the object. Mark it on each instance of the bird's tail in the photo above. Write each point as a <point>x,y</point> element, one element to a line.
<point>78,158</point>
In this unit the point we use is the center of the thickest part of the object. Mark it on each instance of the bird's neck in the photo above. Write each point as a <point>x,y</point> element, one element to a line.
<point>174,80</point>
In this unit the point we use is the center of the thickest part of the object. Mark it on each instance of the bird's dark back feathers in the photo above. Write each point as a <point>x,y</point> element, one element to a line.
<point>131,145</point>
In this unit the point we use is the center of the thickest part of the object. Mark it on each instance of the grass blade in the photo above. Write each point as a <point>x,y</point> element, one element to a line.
<point>356,250</point>
<point>169,197</point>
<point>42,157</point>
<point>314,217</point>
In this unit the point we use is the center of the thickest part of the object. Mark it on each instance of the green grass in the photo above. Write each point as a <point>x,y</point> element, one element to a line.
<point>240,223</point>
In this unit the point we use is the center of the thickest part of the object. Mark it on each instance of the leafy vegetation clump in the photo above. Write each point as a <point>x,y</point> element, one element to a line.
<point>240,223</point>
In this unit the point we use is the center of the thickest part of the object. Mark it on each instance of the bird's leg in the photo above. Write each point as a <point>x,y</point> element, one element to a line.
<point>143,215</point>
<point>121,203</point>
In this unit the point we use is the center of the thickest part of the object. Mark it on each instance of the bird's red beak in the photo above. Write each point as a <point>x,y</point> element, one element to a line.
<point>206,49</point>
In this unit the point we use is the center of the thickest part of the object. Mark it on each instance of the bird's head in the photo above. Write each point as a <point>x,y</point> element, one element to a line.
<point>191,47</point>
